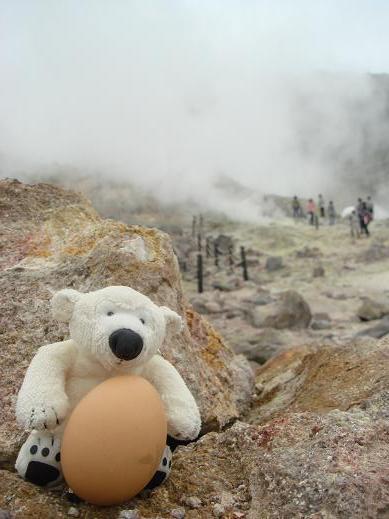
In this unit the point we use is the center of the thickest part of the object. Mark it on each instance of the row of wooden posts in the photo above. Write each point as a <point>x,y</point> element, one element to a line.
<point>212,249</point>
<point>200,273</point>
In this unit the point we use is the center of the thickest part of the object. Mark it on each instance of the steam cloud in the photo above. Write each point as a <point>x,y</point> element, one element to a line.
<point>173,95</point>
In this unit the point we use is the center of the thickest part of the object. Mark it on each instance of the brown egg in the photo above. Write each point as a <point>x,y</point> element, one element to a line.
<point>114,440</point>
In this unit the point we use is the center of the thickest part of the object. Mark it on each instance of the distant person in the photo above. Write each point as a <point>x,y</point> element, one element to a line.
<point>331,213</point>
<point>355,229</point>
<point>321,206</point>
<point>359,210</point>
<point>296,207</point>
<point>311,210</point>
<point>370,207</point>
<point>366,219</point>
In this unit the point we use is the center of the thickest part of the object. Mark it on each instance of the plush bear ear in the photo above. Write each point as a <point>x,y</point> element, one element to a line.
<point>174,322</point>
<point>62,304</point>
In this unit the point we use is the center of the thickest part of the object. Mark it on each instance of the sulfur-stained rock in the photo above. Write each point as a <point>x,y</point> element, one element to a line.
<point>321,378</point>
<point>51,239</point>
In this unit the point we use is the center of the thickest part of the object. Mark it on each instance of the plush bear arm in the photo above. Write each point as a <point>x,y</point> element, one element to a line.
<point>42,402</point>
<point>183,415</point>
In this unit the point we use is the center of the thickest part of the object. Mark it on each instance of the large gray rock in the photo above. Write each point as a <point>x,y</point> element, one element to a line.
<point>371,310</point>
<point>224,243</point>
<point>51,239</point>
<point>290,311</point>
<point>265,344</point>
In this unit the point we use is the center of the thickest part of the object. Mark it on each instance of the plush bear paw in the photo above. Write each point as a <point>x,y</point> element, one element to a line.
<point>184,427</point>
<point>163,470</point>
<point>39,460</point>
<point>42,416</point>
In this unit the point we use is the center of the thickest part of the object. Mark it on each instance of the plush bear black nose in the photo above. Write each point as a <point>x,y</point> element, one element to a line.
<point>125,344</point>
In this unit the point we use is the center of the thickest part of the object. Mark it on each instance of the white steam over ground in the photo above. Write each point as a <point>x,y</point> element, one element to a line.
<point>173,95</point>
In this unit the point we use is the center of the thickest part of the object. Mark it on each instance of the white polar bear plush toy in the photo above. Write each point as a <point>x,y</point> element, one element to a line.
<point>113,331</point>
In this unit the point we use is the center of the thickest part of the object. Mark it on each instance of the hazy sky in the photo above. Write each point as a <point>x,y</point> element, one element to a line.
<point>173,93</point>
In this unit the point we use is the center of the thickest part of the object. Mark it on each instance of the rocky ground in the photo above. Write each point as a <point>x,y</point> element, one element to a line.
<point>308,438</point>
<point>305,286</point>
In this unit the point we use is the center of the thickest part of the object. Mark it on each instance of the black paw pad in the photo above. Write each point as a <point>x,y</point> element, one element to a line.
<point>158,478</point>
<point>40,473</point>
<point>72,497</point>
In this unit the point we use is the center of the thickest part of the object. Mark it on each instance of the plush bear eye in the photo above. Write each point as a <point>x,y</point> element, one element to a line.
<point>142,320</point>
<point>110,313</point>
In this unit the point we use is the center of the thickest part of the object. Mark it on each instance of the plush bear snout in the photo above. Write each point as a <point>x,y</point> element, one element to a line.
<point>125,344</point>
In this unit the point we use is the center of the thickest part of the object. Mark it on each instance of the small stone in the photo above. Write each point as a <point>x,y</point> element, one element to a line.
<point>129,514</point>
<point>192,502</point>
<point>73,512</point>
<point>321,321</point>
<point>262,299</point>
<point>274,263</point>
<point>218,510</point>
<point>318,271</point>
<point>258,388</point>
<point>178,513</point>
<point>212,307</point>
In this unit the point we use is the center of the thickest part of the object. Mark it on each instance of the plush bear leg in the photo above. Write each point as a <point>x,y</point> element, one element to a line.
<point>39,459</point>
<point>163,470</point>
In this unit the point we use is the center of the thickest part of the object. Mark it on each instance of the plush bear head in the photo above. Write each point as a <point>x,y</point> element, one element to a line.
<point>117,325</point>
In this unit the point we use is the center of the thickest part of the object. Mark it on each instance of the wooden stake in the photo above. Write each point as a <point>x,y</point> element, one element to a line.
<point>200,273</point>
<point>216,254</point>
<point>194,221</point>
<point>244,264</point>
